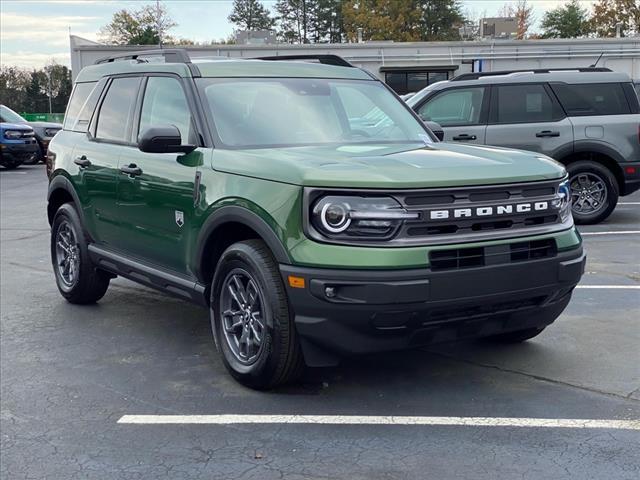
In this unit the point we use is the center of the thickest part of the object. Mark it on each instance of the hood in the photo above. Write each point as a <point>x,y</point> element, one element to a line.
<point>15,126</point>
<point>44,125</point>
<point>384,166</point>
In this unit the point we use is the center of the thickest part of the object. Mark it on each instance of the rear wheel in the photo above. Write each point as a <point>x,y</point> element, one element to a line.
<point>250,318</point>
<point>594,191</point>
<point>78,280</point>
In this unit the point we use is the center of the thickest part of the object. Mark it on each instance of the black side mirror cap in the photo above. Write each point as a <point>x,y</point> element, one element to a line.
<point>163,139</point>
<point>436,129</point>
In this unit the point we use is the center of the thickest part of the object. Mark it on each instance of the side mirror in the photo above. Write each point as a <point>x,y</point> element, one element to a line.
<point>163,139</point>
<point>436,129</point>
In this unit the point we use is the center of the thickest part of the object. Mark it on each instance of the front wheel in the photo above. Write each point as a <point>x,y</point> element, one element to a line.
<point>250,318</point>
<point>594,191</point>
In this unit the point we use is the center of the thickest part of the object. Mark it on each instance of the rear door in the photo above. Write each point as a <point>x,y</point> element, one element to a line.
<point>528,117</point>
<point>461,112</point>
<point>96,154</point>
<point>156,206</point>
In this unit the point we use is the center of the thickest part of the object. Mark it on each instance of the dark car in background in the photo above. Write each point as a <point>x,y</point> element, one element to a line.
<point>44,131</point>
<point>17,145</point>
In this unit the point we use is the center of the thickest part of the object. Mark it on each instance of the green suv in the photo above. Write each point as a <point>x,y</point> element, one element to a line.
<point>306,206</point>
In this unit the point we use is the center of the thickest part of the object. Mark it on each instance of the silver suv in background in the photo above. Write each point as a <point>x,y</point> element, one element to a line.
<point>588,119</point>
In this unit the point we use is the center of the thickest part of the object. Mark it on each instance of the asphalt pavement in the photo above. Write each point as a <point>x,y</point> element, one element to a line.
<point>69,374</point>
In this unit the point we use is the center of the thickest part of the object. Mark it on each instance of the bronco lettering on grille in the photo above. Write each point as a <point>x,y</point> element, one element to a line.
<point>489,211</point>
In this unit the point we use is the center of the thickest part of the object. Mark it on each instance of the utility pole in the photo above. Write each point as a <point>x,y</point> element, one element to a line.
<point>158,23</point>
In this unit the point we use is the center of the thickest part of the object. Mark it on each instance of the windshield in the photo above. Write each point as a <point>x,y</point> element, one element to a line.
<point>9,116</point>
<point>267,112</point>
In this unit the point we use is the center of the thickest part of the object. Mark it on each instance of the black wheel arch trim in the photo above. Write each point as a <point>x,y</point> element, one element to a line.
<point>60,182</point>
<point>236,214</point>
<point>590,146</point>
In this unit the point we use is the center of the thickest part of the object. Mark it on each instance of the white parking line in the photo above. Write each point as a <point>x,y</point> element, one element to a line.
<point>620,287</point>
<point>619,232</point>
<point>628,203</point>
<point>378,420</point>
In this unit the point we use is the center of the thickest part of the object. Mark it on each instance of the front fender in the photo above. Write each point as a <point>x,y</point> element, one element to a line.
<point>249,215</point>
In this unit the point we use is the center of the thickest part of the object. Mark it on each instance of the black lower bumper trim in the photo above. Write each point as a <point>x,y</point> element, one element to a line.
<point>346,311</point>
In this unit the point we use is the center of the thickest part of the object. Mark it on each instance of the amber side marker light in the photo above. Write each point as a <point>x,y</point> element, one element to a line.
<point>296,282</point>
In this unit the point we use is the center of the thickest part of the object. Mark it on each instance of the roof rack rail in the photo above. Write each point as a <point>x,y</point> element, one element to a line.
<point>326,59</point>
<point>477,75</point>
<point>171,55</point>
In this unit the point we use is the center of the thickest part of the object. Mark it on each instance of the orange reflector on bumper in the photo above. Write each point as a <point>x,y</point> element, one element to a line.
<point>296,282</point>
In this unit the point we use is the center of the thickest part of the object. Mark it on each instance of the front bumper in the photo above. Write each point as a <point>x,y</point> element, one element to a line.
<point>19,151</point>
<point>342,312</point>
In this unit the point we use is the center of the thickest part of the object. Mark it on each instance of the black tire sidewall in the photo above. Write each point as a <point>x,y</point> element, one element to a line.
<point>277,322</point>
<point>586,166</point>
<point>78,291</point>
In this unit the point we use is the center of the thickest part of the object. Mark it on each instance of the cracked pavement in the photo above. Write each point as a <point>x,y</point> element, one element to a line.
<point>68,373</point>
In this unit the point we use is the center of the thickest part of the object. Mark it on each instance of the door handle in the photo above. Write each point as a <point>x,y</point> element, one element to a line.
<point>132,169</point>
<point>464,136</point>
<point>547,133</point>
<point>82,161</point>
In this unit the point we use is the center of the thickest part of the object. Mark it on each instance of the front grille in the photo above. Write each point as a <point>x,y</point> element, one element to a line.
<point>459,258</point>
<point>479,212</point>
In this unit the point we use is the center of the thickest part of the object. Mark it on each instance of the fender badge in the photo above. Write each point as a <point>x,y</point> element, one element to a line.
<point>179,218</point>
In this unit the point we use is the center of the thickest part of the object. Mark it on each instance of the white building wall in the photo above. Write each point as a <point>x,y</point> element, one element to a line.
<point>619,54</point>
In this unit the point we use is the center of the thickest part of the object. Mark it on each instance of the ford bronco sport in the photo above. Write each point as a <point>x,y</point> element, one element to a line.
<point>306,206</point>
<point>588,119</point>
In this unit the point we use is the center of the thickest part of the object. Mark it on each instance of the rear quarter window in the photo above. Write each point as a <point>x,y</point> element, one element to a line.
<point>79,97</point>
<point>592,99</point>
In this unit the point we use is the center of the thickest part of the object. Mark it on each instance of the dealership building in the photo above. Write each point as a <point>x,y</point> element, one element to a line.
<point>409,67</point>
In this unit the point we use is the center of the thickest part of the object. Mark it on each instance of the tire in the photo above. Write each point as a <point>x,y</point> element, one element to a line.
<point>258,342</point>
<point>83,283</point>
<point>518,336</point>
<point>594,191</point>
<point>11,164</point>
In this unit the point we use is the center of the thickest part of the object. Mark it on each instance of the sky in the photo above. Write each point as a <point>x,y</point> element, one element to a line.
<point>33,33</point>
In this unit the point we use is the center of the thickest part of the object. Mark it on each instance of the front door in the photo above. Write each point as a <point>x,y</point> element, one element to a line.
<point>157,191</point>
<point>461,112</point>
<point>528,117</point>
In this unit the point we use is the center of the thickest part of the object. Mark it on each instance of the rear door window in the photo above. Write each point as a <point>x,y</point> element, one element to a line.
<point>524,104</point>
<point>115,113</point>
<point>592,99</point>
<point>461,106</point>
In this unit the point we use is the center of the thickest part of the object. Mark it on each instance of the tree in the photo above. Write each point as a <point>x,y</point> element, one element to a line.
<point>251,15</point>
<point>403,20</point>
<point>295,19</point>
<point>440,19</point>
<point>568,21</point>
<point>329,22</point>
<point>608,14</point>
<point>396,20</point>
<point>149,25</point>
<point>523,13</point>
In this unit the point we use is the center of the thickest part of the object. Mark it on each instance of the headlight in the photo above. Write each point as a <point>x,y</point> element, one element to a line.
<point>12,134</point>
<point>563,201</point>
<point>50,132</point>
<point>362,217</point>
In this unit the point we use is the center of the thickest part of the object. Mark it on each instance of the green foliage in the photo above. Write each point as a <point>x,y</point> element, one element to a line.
<point>28,91</point>
<point>568,21</point>
<point>251,15</point>
<point>403,20</point>
<point>609,13</point>
<point>310,21</point>
<point>440,19</point>
<point>146,26</point>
